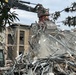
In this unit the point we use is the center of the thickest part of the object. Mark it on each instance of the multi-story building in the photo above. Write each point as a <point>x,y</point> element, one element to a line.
<point>17,36</point>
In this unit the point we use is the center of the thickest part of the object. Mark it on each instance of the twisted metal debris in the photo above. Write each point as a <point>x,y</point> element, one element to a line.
<point>59,59</point>
<point>64,64</point>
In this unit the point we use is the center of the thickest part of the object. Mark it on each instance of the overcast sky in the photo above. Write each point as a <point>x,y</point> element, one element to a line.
<point>53,5</point>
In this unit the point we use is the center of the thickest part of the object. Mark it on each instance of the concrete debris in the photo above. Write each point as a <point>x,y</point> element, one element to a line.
<point>50,63</point>
<point>48,55</point>
<point>64,64</point>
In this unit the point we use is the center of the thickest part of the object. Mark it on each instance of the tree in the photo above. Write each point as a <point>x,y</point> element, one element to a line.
<point>6,16</point>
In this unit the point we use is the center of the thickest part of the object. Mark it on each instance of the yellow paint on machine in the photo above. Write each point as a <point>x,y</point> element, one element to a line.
<point>6,1</point>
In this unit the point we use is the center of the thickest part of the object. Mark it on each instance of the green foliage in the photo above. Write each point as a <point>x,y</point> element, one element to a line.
<point>6,16</point>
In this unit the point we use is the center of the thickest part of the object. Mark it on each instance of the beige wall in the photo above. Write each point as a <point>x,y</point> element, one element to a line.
<point>17,46</point>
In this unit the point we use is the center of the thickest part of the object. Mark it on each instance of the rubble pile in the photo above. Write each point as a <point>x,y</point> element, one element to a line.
<point>58,59</point>
<point>58,65</point>
<point>64,64</point>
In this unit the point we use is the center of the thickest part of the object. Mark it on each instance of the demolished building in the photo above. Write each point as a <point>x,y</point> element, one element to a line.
<point>14,41</point>
<point>18,35</point>
<point>17,43</point>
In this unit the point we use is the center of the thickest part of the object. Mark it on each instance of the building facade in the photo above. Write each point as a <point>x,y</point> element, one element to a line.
<point>17,36</point>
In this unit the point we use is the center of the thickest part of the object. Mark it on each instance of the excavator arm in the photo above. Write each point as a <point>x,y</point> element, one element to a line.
<point>21,5</point>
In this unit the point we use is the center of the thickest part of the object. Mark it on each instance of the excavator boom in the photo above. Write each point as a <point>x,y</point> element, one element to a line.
<point>21,5</point>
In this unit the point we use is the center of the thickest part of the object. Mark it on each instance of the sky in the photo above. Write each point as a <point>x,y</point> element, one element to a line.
<point>53,5</point>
